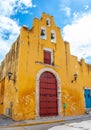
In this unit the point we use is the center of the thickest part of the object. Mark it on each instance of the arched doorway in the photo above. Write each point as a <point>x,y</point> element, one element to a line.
<point>48,102</point>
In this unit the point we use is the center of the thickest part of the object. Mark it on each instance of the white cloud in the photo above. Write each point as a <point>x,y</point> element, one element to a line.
<point>79,35</point>
<point>9,28</point>
<point>9,7</point>
<point>9,31</point>
<point>68,11</point>
<point>65,9</point>
<point>86,7</point>
<point>8,24</point>
<point>27,3</point>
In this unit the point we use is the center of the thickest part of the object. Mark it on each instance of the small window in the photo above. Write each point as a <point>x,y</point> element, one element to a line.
<point>53,36</point>
<point>47,57</point>
<point>48,22</point>
<point>43,33</point>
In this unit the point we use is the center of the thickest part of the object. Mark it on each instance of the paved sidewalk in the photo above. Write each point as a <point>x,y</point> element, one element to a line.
<point>84,125</point>
<point>7,122</point>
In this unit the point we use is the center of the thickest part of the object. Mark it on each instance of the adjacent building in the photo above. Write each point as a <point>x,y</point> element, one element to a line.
<point>40,78</point>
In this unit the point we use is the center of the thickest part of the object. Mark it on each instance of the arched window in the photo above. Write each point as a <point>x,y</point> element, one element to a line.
<point>48,22</point>
<point>43,33</point>
<point>53,36</point>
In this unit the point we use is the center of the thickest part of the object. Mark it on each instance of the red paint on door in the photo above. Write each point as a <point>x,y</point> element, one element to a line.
<point>48,95</point>
<point>47,57</point>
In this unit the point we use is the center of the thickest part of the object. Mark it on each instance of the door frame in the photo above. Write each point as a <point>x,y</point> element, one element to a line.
<point>84,98</point>
<point>38,86</point>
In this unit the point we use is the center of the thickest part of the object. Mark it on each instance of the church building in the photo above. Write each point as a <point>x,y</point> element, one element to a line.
<point>40,78</point>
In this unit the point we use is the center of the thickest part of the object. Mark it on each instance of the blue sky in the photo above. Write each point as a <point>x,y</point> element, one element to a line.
<point>72,16</point>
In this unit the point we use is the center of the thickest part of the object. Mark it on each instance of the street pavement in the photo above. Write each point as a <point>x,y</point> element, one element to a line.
<point>84,125</point>
<point>8,124</point>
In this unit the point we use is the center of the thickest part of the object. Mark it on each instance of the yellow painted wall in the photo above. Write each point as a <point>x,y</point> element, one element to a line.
<point>2,86</point>
<point>1,99</point>
<point>10,64</point>
<point>31,60</point>
<point>73,93</point>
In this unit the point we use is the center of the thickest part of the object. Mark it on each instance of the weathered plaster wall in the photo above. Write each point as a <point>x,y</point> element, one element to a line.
<point>73,92</point>
<point>10,64</point>
<point>2,86</point>
<point>31,60</point>
<point>26,59</point>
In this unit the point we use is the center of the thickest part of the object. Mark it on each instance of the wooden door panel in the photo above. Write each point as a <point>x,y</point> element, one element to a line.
<point>48,95</point>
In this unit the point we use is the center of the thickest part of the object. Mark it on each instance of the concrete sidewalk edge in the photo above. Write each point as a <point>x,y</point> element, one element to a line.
<point>38,122</point>
<point>32,123</point>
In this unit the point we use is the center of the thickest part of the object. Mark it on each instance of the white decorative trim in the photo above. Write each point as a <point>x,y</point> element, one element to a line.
<point>45,36</point>
<point>84,98</point>
<point>58,89</point>
<point>87,88</point>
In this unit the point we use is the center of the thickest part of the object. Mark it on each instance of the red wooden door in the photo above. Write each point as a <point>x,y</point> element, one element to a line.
<point>48,95</point>
<point>47,57</point>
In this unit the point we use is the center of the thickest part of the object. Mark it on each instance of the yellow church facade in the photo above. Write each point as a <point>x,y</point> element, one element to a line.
<point>40,78</point>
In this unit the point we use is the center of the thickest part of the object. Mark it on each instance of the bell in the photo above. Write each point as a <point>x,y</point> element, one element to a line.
<point>47,22</point>
<point>42,32</point>
<point>52,36</point>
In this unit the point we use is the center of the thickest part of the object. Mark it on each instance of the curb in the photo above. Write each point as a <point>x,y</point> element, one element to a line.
<point>45,122</point>
<point>32,123</point>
